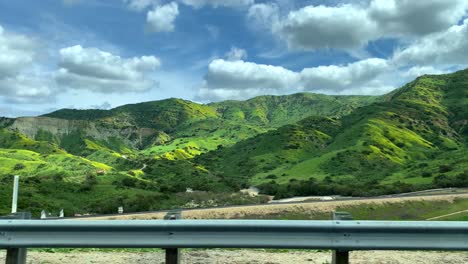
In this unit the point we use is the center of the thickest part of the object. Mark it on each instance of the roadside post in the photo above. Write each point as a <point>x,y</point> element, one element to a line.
<point>14,201</point>
<point>16,255</point>
<point>173,254</point>
<point>341,256</point>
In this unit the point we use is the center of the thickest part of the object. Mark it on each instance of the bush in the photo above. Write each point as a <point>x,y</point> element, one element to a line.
<point>445,168</point>
<point>129,182</point>
<point>19,166</point>
<point>426,174</point>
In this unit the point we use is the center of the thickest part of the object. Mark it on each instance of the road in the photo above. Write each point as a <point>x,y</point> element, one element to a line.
<point>238,210</point>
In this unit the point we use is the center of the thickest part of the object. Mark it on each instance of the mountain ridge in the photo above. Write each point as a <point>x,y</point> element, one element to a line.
<point>302,144</point>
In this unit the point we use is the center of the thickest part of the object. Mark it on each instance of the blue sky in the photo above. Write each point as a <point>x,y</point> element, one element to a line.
<point>105,53</point>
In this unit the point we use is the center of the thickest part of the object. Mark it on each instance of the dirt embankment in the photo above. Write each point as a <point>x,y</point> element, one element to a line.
<point>248,257</point>
<point>242,211</point>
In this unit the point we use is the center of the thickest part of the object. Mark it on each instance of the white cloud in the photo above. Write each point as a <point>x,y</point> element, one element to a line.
<point>27,88</point>
<point>264,16</point>
<point>241,80</point>
<point>400,17</point>
<point>416,71</point>
<point>161,18</point>
<point>217,3</point>
<point>21,80</point>
<point>139,5</point>
<point>338,78</point>
<point>448,47</point>
<point>16,52</point>
<point>354,25</point>
<point>236,54</point>
<point>240,75</point>
<point>315,27</point>
<point>100,71</point>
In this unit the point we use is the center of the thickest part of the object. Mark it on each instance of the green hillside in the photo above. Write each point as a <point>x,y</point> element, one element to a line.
<point>144,156</point>
<point>180,129</point>
<point>414,139</point>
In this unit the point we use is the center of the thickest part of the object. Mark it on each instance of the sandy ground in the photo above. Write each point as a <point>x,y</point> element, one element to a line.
<point>239,212</point>
<point>260,256</point>
<point>247,257</point>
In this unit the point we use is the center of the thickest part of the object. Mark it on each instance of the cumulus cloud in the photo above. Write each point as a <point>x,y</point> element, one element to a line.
<point>161,18</point>
<point>241,80</point>
<point>354,25</point>
<point>400,17</point>
<point>217,3</point>
<point>20,81</point>
<point>27,88</point>
<point>96,70</point>
<point>315,27</point>
<point>240,75</point>
<point>236,54</point>
<point>447,47</point>
<point>338,78</point>
<point>416,71</point>
<point>264,16</point>
<point>16,52</point>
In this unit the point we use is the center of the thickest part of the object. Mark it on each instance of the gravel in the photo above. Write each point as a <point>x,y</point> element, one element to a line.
<point>247,257</point>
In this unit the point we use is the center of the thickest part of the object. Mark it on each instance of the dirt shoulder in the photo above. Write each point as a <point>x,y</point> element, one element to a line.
<point>248,256</point>
<point>241,211</point>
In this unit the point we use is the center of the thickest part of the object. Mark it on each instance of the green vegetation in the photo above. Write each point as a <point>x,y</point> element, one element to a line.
<point>144,156</point>
<point>409,210</point>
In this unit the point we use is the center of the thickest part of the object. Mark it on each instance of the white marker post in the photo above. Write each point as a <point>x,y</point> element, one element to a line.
<point>14,203</point>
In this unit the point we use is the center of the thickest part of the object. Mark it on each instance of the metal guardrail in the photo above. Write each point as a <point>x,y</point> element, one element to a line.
<point>344,235</point>
<point>336,235</point>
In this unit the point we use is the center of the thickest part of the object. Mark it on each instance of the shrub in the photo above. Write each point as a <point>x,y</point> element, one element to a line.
<point>129,182</point>
<point>445,168</point>
<point>426,174</point>
<point>19,166</point>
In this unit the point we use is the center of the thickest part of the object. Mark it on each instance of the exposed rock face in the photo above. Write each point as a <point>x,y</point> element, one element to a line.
<point>131,135</point>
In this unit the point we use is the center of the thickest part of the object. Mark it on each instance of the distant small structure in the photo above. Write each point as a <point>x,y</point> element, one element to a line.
<point>326,198</point>
<point>251,191</point>
<point>120,210</point>
<point>189,190</point>
<point>48,215</point>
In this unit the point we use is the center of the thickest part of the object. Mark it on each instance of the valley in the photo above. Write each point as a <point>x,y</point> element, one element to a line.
<point>146,156</point>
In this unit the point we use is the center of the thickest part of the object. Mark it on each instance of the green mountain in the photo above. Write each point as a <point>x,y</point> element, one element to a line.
<point>414,138</point>
<point>93,159</point>
<point>144,156</point>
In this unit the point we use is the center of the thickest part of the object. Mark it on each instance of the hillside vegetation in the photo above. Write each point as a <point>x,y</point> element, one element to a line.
<point>144,156</point>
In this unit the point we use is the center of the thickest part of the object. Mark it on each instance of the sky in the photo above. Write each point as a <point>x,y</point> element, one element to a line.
<point>105,53</point>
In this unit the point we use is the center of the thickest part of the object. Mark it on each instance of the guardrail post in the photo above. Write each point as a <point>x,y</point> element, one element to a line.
<point>17,255</point>
<point>341,256</point>
<point>173,254</point>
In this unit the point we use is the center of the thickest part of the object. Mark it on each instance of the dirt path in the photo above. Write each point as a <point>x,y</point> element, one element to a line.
<point>240,211</point>
<point>247,257</point>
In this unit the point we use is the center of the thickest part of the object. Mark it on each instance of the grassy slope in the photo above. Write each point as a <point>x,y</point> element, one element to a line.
<point>409,210</point>
<point>189,129</point>
<point>416,136</point>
